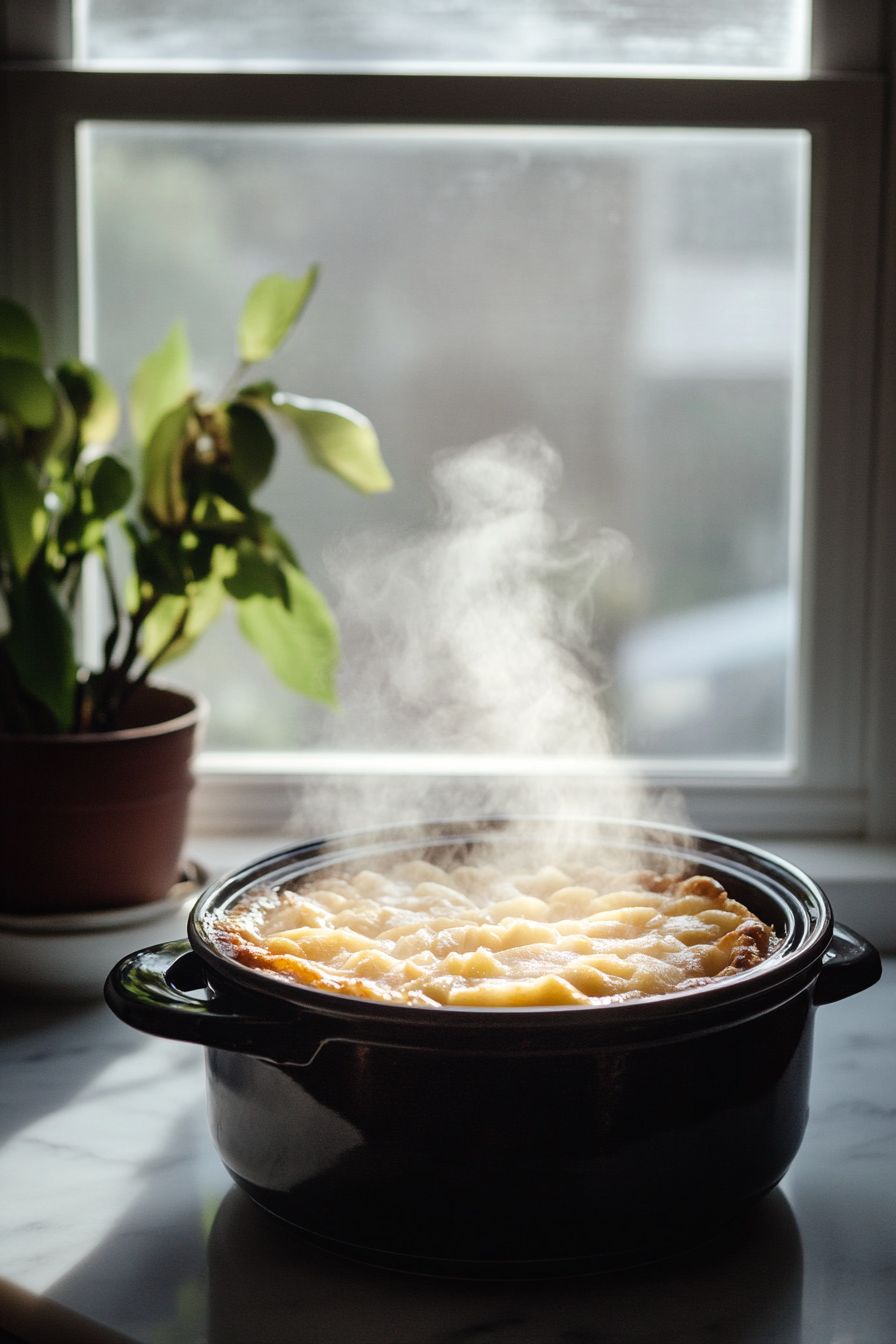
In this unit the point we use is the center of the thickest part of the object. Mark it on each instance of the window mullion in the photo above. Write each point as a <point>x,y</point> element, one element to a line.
<point>36,30</point>
<point>849,35</point>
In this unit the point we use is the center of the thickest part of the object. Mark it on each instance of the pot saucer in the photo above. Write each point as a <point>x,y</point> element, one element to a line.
<point>68,956</point>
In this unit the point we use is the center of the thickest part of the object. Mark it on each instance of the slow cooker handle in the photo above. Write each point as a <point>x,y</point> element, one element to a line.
<point>150,991</point>
<point>850,965</point>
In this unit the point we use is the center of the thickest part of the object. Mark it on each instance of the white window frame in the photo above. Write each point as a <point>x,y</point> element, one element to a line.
<point>845,782</point>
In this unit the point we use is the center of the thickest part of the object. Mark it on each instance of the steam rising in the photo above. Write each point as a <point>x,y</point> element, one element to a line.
<point>473,638</point>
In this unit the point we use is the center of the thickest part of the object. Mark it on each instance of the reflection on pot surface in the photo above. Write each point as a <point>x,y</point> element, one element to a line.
<point>455,1156</point>
<point>267,1284</point>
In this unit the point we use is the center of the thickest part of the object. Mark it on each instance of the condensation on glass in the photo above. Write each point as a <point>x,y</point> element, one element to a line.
<point>637,296</point>
<point>763,37</point>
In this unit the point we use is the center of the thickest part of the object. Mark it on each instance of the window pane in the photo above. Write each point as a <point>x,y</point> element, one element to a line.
<point>636,296</point>
<point>764,36</point>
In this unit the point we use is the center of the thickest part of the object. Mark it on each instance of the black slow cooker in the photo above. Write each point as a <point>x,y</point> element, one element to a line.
<point>469,1140</point>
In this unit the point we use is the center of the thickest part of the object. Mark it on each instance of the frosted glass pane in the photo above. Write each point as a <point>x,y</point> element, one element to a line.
<point>635,296</point>
<point>763,36</point>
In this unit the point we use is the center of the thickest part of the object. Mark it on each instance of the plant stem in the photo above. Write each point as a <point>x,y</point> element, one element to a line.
<point>112,638</point>
<point>169,644</point>
<point>112,687</point>
<point>235,378</point>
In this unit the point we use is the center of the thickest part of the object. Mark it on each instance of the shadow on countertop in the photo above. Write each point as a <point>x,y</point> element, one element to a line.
<point>269,1285</point>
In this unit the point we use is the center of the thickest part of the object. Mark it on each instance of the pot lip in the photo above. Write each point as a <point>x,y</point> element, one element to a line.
<point>191,718</point>
<point>798,957</point>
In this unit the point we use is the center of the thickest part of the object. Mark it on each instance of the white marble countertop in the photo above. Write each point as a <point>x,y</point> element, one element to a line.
<point>114,1206</point>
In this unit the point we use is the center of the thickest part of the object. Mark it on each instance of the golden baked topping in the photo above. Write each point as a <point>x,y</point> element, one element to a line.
<point>480,937</point>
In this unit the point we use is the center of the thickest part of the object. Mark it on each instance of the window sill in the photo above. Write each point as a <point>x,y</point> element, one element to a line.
<point>268,794</point>
<point>857,876</point>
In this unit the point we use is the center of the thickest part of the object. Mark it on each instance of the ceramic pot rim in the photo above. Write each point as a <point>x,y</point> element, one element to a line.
<point>190,718</point>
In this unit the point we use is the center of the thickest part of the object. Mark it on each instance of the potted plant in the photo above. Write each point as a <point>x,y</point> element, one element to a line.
<point>95,762</point>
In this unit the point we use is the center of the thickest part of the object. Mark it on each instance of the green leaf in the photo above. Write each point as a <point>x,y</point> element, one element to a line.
<point>337,438</point>
<point>19,334</point>
<point>214,514</point>
<point>55,448</point>
<point>199,551</point>
<point>162,567</point>
<point>264,531</point>
<point>252,446</point>
<point>216,481</point>
<point>163,463</point>
<point>131,591</point>
<point>40,646</point>
<point>256,575</point>
<point>27,392</point>
<point>161,382</point>
<point>258,392</point>
<point>93,398</point>
<point>160,625</point>
<point>23,517</point>
<point>301,645</point>
<point>270,311</point>
<point>78,534</point>
<point>202,604</point>
<point>110,484</point>
<point>94,535</point>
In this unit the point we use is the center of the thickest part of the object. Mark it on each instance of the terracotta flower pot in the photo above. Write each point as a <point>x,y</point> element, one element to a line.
<point>91,821</point>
